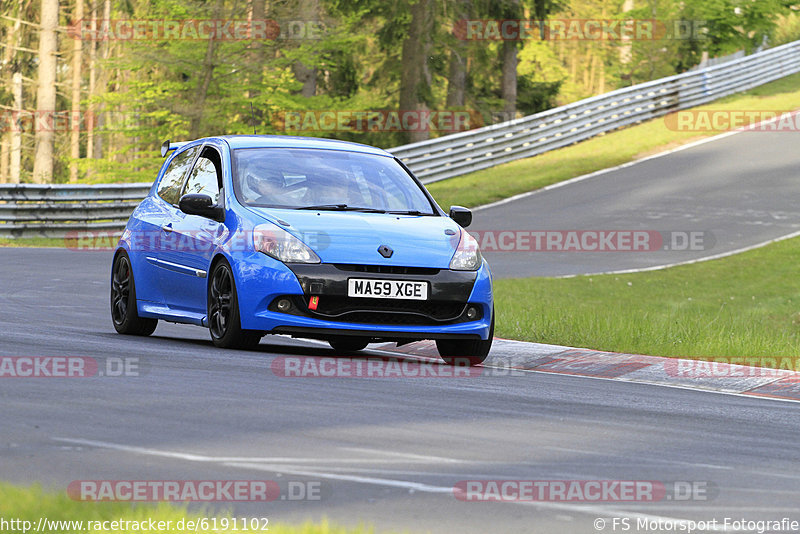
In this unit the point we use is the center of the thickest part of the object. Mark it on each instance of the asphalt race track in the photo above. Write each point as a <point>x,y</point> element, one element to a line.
<point>389,451</point>
<point>383,451</point>
<point>735,192</point>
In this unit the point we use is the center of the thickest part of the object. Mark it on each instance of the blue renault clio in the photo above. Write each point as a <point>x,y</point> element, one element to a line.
<point>313,238</point>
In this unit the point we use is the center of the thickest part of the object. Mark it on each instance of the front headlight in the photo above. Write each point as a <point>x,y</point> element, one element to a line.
<point>468,254</point>
<point>281,245</point>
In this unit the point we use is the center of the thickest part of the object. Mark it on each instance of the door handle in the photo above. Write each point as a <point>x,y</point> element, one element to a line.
<point>167,227</point>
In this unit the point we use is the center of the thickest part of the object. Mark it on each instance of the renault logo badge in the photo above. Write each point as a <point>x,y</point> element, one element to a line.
<point>385,251</point>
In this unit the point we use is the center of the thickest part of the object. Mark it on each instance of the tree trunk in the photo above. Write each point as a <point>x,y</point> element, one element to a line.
<point>16,132</point>
<point>258,12</point>
<point>5,151</point>
<point>308,10</point>
<point>601,81</point>
<point>573,61</point>
<point>508,87</point>
<point>9,53</point>
<point>75,132</point>
<point>625,50</point>
<point>509,83</point>
<point>457,80</point>
<point>102,86</point>
<point>457,75</point>
<point>201,91</point>
<point>308,77</point>
<point>46,91</point>
<point>90,117</point>
<point>415,75</point>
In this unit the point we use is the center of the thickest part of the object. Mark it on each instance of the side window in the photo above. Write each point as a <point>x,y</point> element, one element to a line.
<point>170,187</point>
<point>203,178</point>
<point>206,175</point>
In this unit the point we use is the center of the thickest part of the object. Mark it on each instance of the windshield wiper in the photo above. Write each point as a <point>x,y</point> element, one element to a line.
<point>325,207</point>
<point>342,207</point>
<point>366,210</point>
<point>409,212</point>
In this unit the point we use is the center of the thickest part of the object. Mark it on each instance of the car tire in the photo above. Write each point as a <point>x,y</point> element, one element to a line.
<point>466,352</point>
<point>124,313</point>
<point>224,322</point>
<point>348,344</point>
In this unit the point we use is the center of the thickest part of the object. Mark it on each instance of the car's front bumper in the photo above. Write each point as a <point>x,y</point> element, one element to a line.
<point>262,282</point>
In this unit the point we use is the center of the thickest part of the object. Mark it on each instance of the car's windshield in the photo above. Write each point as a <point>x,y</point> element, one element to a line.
<point>325,180</point>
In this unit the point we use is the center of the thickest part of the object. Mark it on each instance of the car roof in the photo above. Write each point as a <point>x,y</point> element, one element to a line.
<point>288,141</point>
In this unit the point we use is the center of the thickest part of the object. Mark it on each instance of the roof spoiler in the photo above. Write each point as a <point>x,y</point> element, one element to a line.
<point>168,147</point>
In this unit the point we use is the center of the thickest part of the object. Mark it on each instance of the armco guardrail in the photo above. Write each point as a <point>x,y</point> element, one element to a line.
<point>465,152</point>
<point>58,210</point>
<point>28,210</point>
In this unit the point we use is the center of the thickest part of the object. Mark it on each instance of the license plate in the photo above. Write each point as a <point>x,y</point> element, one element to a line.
<point>387,289</point>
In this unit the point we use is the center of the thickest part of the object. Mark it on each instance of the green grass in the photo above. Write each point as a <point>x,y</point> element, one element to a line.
<point>742,305</point>
<point>32,242</point>
<point>601,152</point>
<point>31,504</point>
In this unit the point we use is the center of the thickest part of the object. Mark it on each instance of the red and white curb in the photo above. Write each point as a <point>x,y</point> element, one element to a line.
<point>718,376</point>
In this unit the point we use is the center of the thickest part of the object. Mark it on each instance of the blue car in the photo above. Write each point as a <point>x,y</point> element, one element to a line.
<point>313,238</point>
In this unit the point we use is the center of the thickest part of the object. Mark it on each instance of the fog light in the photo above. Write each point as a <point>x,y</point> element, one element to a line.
<point>472,313</point>
<point>284,305</point>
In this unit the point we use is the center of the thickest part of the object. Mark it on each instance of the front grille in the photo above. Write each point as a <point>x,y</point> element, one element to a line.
<point>385,269</point>
<point>373,317</point>
<point>438,310</point>
<point>379,311</point>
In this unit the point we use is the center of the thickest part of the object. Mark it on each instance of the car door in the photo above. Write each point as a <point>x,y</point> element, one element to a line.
<point>193,240</point>
<point>155,226</point>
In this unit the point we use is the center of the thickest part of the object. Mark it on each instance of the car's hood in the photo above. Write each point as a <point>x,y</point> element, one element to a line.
<point>353,237</point>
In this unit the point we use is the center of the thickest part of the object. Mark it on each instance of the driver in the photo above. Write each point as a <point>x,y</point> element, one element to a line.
<point>267,186</point>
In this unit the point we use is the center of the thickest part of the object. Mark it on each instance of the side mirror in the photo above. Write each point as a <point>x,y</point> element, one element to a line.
<point>197,204</point>
<point>461,215</point>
